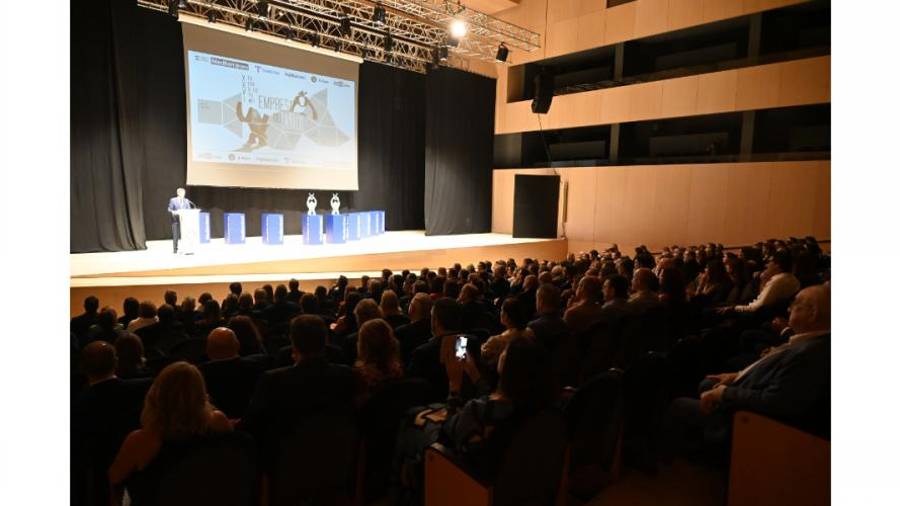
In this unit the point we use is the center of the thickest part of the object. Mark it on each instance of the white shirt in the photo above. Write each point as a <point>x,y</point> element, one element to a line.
<point>781,287</point>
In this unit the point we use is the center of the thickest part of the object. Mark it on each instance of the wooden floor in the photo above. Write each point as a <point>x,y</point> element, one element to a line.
<point>147,274</point>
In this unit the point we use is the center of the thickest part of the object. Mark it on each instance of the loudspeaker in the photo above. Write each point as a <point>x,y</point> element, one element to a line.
<point>543,92</point>
<point>535,206</point>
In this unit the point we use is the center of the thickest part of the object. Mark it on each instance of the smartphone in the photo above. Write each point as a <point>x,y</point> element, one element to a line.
<point>461,342</point>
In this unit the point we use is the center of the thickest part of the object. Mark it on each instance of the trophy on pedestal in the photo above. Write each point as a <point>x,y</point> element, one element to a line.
<point>311,203</point>
<point>335,204</point>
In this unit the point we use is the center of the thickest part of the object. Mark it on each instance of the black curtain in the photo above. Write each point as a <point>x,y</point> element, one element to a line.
<point>105,210</point>
<point>459,133</point>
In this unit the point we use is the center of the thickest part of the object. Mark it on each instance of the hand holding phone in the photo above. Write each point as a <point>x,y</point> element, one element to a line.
<point>461,343</point>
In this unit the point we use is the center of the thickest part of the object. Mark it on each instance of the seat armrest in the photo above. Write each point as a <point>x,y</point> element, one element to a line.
<point>448,484</point>
<point>775,464</point>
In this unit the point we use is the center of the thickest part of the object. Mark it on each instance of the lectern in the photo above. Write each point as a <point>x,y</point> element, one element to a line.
<point>189,220</point>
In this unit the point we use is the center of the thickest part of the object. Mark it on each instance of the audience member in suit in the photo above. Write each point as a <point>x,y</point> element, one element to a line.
<point>130,309</point>
<point>644,283</point>
<point>187,315</point>
<point>230,378</point>
<point>170,297</point>
<point>176,409</point>
<point>337,291</point>
<point>282,310</point>
<point>713,285</point>
<point>294,294</point>
<point>615,295</point>
<point>146,316</point>
<point>80,324</point>
<point>514,315</point>
<point>418,331</point>
<point>284,396</point>
<point>427,361</point>
<point>549,326</point>
<point>245,305</point>
<point>212,318</point>
<point>131,363</point>
<point>364,311</point>
<point>587,306</point>
<point>106,329</point>
<point>326,304</point>
<point>247,335</point>
<point>162,336</point>
<point>261,301</point>
<point>236,288</point>
<point>791,383</point>
<point>472,309</point>
<point>230,306</point>
<point>102,416</point>
<point>378,358</point>
<point>390,308</point>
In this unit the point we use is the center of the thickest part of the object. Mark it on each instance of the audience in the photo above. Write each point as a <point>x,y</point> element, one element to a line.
<point>410,323</point>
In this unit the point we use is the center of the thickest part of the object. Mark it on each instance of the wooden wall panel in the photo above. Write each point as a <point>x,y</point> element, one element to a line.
<point>658,205</point>
<point>620,23</point>
<point>592,29</point>
<point>651,17</point>
<point>714,10</point>
<point>684,13</point>
<point>798,82</point>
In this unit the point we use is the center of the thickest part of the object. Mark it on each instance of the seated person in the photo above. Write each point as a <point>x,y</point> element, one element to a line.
<point>778,285</point>
<point>247,335</point>
<point>212,318</point>
<point>378,358</point>
<point>514,316</point>
<point>418,331</point>
<point>588,304</point>
<point>102,416</point>
<point>106,329</point>
<point>645,285</point>
<point>791,383</point>
<point>132,363</point>
<point>284,396</point>
<point>390,308</point>
<point>81,324</point>
<point>146,316</point>
<point>176,409</point>
<point>230,378</point>
<point>364,311</point>
<point>130,309</point>
<point>548,327</point>
<point>162,336</point>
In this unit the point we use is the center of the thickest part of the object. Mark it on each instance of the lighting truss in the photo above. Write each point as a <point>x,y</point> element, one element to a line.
<point>416,27</point>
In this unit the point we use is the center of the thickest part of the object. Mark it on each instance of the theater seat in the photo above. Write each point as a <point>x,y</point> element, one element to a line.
<point>533,470</point>
<point>775,464</point>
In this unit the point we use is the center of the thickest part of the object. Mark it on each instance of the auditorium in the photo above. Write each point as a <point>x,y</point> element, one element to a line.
<point>450,253</point>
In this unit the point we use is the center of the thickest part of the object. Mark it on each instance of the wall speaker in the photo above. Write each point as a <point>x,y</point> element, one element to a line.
<point>543,92</point>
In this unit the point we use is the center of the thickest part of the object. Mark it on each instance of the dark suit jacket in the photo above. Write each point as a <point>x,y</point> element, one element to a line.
<point>102,416</point>
<point>280,312</point>
<point>230,383</point>
<point>284,396</point>
<point>161,336</point>
<point>396,320</point>
<point>80,324</point>
<point>548,329</point>
<point>411,336</point>
<point>793,385</point>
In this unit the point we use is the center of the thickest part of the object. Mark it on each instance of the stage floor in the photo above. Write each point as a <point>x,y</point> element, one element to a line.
<point>225,259</point>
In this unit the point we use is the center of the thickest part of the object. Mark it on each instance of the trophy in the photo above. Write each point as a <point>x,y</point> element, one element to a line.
<point>335,204</point>
<point>311,203</point>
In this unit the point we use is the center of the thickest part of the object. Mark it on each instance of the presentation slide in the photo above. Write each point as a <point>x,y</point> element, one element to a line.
<point>255,124</point>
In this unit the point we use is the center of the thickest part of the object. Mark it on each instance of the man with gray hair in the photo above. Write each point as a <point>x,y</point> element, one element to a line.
<point>790,383</point>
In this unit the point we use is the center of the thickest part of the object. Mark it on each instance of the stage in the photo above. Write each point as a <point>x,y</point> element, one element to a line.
<point>147,274</point>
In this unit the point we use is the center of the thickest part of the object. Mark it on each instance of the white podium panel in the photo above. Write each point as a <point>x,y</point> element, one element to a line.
<point>189,220</point>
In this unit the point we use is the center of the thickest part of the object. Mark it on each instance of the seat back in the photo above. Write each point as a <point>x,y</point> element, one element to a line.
<point>380,421</point>
<point>647,393</point>
<point>190,350</point>
<point>564,359</point>
<point>316,464</point>
<point>595,418</point>
<point>602,349</point>
<point>217,470</point>
<point>531,467</point>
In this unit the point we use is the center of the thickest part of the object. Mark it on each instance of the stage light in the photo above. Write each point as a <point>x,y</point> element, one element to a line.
<point>444,53</point>
<point>388,43</point>
<point>248,24</point>
<point>262,8</point>
<point>289,34</point>
<point>315,40</point>
<point>451,42</point>
<point>345,28</point>
<point>212,16</point>
<point>502,52</point>
<point>458,28</point>
<point>378,14</point>
<point>173,8</point>
<point>182,4</point>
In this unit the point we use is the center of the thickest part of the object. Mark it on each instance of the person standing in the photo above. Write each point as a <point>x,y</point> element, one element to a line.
<point>176,203</point>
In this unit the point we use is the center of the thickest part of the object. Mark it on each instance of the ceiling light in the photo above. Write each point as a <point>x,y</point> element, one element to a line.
<point>378,15</point>
<point>458,28</point>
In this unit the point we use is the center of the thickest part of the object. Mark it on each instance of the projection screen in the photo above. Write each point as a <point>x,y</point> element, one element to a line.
<point>263,115</point>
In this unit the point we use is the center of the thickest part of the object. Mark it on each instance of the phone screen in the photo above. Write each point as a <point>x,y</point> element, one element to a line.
<point>461,343</point>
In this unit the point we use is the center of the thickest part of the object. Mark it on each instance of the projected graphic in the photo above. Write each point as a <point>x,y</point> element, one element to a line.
<point>253,114</point>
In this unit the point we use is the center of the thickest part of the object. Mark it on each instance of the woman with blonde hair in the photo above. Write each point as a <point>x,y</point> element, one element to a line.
<point>176,409</point>
<point>378,356</point>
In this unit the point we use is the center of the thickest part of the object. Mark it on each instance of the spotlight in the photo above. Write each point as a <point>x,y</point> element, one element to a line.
<point>451,42</point>
<point>502,52</point>
<point>289,33</point>
<point>345,26</point>
<point>262,8</point>
<point>388,43</point>
<point>182,4</point>
<point>443,53</point>
<point>248,24</point>
<point>378,15</point>
<point>315,39</point>
<point>458,29</point>
<point>212,16</point>
<point>173,8</point>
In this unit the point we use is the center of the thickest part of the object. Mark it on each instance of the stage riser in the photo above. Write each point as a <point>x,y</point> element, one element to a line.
<point>413,260</point>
